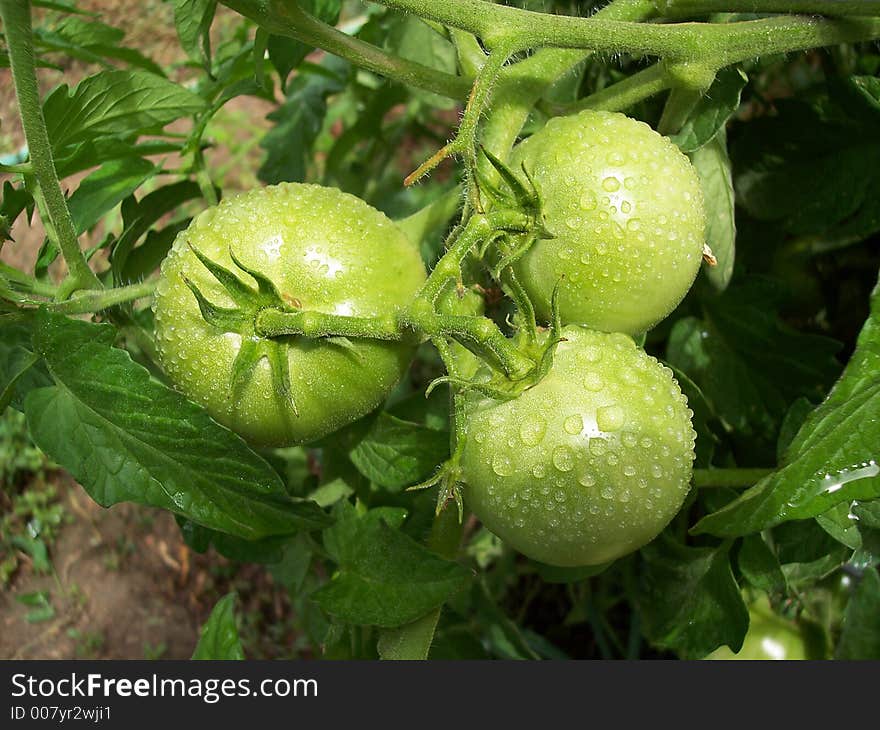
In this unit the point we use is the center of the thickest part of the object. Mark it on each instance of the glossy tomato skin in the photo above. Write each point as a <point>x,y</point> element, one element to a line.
<point>589,464</point>
<point>626,209</point>
<point>326,251</point>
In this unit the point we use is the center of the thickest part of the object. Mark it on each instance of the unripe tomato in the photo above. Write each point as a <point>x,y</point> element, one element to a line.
<point>589,464</point>
<point>770,636</point>
<point>325,251</point>
<point>626,209</point>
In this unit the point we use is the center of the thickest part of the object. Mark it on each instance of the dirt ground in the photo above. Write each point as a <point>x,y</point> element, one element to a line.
<point>123,588</point>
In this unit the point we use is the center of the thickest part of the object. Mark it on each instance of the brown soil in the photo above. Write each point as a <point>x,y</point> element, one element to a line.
<point>124,586</point>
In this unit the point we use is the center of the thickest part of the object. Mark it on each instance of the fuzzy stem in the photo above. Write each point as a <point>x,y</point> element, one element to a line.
<point>16,15</point>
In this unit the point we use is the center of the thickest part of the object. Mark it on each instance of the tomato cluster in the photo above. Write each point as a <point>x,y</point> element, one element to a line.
<point>586,464</point>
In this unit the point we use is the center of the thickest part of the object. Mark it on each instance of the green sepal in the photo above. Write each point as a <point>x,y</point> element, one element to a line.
<point>223,318</point>
<point>240,292</point>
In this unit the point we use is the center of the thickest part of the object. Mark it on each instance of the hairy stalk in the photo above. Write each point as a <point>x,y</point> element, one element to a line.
<point>832,8</point>
<point>716,45</point>
<point>16,15</point>
<point>288,19</point>
<point>527,81</point>
<point>85,301</point>
<point>731,478</point>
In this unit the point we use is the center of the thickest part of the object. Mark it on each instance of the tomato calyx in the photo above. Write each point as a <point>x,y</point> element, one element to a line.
<point>241,320</point>
<point>449,479</point>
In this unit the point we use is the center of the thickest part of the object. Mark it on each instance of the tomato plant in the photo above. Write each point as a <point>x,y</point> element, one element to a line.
<point>318,249</point>
<point>607,372</point>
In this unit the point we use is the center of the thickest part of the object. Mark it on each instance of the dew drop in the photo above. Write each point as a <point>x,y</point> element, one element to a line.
<point>610,418</point>
<point>532,430</point>
<point>502,465</point>
<point>573,424</point>
<point>562,458</point>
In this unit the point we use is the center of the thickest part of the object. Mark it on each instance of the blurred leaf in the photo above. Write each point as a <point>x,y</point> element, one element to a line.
<point>791,424</point>
<point>748,363</point>
<point>425,227</point>
<point>396,454</point>
<point>832,459</point>
<point>861,628</point>
<point>39,602</point>
<point>115,102</point>
<point>298,122</point>
<point>127,437</point>
<point>219,639</point>
<point>384,578</point>
<point>192,19</point>
<point>286,53</point>
<point>713,167</point>
<point>713,110</point>
<point>91,41</point>
<point>815,165</point>
<point>690,602</point>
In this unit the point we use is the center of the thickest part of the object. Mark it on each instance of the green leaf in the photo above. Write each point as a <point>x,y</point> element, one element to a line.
<point>426,226</point>
<point>15,200</point>
<point>842,525</point>
<point>18,371</point>
<point>690,602</point>
<point>832,459</point>
<point>105,188</point>
<point>396,454</point>
<point>760,566</point>
<point>298,122</point>
<point>384,577</point>
<point>91,41</point>
<point>410,37</point>
<point>192,19</point>
<point>115,102</point>
<point>860,638</point>
<point>712,111</point>
<point>410,641</point>
<point>748,363</point>
<point>266,550</point>
<point>815,165</point>
<point>716,179</point>
<point>219,639</point>
<point>42,608</point>
<point>138,217</point>
<point>126,437</point>
<point>285,53</point>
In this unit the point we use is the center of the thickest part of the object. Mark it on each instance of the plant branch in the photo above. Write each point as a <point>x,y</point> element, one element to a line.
<point>16,15</point>
<point>94,301</point>
<point>286,18</point>
<point>731,478</point>
<point>831,8</point>
<point>716,45</point>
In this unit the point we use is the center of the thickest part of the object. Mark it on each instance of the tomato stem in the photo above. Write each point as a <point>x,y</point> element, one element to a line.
<point>16,15</point>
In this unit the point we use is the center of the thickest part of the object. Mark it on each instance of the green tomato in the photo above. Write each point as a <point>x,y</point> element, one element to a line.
<point>589,464</point>
<point>626,209</point>
<point>770,636</point>
<point>325,251</point>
